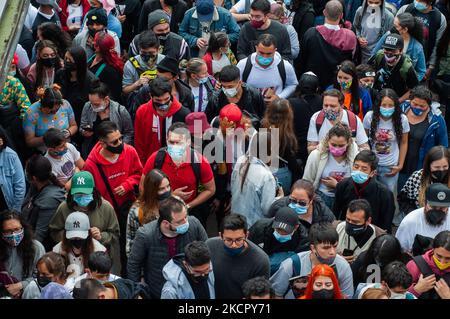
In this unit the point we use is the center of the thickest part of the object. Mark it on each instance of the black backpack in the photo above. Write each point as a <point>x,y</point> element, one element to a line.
<point>427,271</point>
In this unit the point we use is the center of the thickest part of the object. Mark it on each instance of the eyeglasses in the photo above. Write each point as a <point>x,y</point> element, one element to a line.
<point>238,241</point>
<point>198,274</point>
<point>298,202</point>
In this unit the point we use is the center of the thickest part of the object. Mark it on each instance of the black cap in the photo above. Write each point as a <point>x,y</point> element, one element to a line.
<point>438,195</point>
<point>168,64</point>
<point>308,82</point>
<point>97,15</point>
<point>393,42</point>
<point>285,219</point>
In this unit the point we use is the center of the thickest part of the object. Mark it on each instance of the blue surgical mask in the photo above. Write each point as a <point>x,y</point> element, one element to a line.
<point>325,261</point>
<point>182,229</point>
<point>263,60</point>
<point>83,200</point>
<point>203,80</point>
<point>282,238</point>
<point>416,111</point>
<point>233,251</point>
<point>176,152</point>
<point>359,177</point>
<point>387,112</point>
<point>300,210</point>
<point>420,6</point>
<point>60,153</point>
<point>287,3</point>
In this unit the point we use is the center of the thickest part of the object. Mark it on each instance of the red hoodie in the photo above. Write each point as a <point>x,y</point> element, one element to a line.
<point>126,171</point>
<point>63,14</point>
<point>146,133</point>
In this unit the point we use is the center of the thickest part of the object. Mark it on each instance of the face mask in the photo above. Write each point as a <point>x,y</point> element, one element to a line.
<point>287,3</point>
<point>162,107</point>
<point>115,149</point>
<point>359,177</point>
<point>171,2</point>
<point>299,210</point>
<point>60,153</point>
<point>257,23</point>
<point>49,62</point>
<point>12,73</point>
<point>14,239</point>
<point>77,243</point>
<point>176,152</point>
<point>439,176</point>
<point>387,112</point>
<point>331,115</point>
<point>163,196</point>
<point>99,109</point>
<point>338,151</point>
<point>263,60</point>
<point>92,32</point>
<point>354,230</point>
<point>230,92</point>
<point>440,265</point>
<point>43,281</point>
<point>368,85</point>
<point>233,251</point>
<point>323,294</point>
<point>435,217</point>
<point>182,229</point>
<point>345,85</point>
<point>325,261</point>
<point>420,6</point>
<point>395,295</point>
<point>390,60</point>
<point>416,111</point>
<point>148,57</point>
<point>69,66</point>
<point>163,37</point>
<point>202,80</point>
<point>372,7</point>
<point>83,200</point>
<point>282,238</point>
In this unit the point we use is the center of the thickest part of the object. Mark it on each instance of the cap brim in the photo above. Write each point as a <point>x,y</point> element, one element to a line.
<point>389,47</point>
<point>77,234</point>
<point>437,204</point>
<point>284,226</point>
<point>81,190</point>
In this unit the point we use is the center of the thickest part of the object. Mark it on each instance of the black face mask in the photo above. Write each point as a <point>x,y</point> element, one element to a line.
<point>115,149</point>
<point>394,30</point>
<point>92,32</point>
<point>148,57</point>
<point>77,243</point>
<point>43,281</point>
<point>323,294</point>
<point>435,217</point>
<point>439,176</point>
<point>354,230</point>
<point>163,37</point>
<point>70,66</point>
<point>49,62</point>
<point>164,196</point>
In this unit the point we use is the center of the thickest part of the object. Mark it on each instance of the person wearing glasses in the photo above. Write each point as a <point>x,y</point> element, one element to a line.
<point>189,275</point>
<point>308,206</point>
<point>235,259</point>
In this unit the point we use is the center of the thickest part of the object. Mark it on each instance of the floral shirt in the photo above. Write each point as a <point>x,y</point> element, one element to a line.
<point>14,91</point>
<point>38,123</point>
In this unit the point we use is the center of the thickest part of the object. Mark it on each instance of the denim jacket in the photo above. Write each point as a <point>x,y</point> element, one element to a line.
<point>436,133</point>
<point>223,21</point>
<point>12,179</point>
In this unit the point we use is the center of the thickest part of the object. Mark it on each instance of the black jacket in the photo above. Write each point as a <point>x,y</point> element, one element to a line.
<point>128,289</point>
<point>380,198</point>
<point>303,18</point>
<point>130,25</point>
<point>174,46</point>
<point>149,6</point>
<point>262,233</point>
<point>251,101</point>
<point>321,212</point>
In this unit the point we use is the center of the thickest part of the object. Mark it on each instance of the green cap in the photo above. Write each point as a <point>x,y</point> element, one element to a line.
<point>82,182</point>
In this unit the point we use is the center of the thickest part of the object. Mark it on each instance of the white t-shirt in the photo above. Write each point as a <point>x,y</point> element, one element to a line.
<point>313,136</point>
<point>75,15</point>
<point>240,6</point>
<point>64,168</point>
<point>386,145</point>
<point>415,224</point>
<point>76,266</point>
<point>338,171</point>
<point>196,93</point>
<point>217,65</point>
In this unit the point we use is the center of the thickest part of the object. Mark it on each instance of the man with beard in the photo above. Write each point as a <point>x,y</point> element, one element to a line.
<point>423,224</point>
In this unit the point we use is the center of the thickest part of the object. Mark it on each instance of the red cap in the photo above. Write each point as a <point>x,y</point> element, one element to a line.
<point>194,117</point>
<point>15,59</point>
<point>232,113</point>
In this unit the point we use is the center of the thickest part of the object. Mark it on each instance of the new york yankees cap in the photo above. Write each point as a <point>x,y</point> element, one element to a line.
<point>82,183</point>
<point>77,225</point>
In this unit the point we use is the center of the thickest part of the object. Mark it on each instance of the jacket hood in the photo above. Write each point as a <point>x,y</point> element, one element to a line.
<point>95,156</point>
<point>173,272</point>
<point>342,39</point>
<point>428,256</point>
<point>276,59</point>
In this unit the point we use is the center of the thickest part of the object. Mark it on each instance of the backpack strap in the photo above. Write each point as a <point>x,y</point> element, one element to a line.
<point>108,187</point>
<point>195,163</point>
<point>247,69</point>
<point>319,121</point>
<point>100,69</point>
<point>352,122</point>
<point>424,268</point>
<point>160,156</point>
<point>296,265</point>
<point>282,71</point>
<point>407,64</point>
<point>136,65</point>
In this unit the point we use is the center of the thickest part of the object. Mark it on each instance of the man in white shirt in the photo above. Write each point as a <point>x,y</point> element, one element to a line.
<point>427,221</point>
<point>333,112</point>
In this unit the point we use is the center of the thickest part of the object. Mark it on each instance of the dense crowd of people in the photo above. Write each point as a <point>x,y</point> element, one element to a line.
<point>212,149</point>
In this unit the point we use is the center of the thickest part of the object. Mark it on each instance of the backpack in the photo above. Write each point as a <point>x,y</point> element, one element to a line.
<point>407,64</point>
<point>277,258</point>
<point>352,121</point>
<point>296,269</point>
<point>249,66</point>
<point>142,71</point>
<point>426,271</point>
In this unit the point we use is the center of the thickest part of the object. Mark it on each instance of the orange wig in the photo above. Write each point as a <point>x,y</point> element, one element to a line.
<point>322,270</point>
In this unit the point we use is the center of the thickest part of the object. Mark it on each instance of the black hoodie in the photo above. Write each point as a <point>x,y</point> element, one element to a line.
<point>128,289</point>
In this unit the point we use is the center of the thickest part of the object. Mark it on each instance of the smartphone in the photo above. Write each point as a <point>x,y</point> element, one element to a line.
<point>347,252</point>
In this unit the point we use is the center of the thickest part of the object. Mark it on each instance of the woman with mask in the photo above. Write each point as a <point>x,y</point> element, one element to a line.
<point>322,284</point>
<point>331,162</point>
<point>43,198</point>
<point>77,243</point>
<point>218,54</point>
<point>200,82</point>
<point>103,225</point>
<point>156,188</point>
<point>106,64</point>
<point>50,268</point>
<point>52,32</point>
<point>388,130</point>
<point>19,253</point>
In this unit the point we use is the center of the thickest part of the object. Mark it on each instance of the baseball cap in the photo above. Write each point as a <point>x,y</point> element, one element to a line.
<point>308,82</point>
<point>52,3</point>
<point>97,15</point>
<point>194,118</point>
<point>285,219</point>
<point>77,225</point>
<point>168,64</point>
<point>438,195</point>
<point>157,17</point>
<point>205,10</point>
<point>232,112</point>
<point>393,42</point>
<point>82,182</point>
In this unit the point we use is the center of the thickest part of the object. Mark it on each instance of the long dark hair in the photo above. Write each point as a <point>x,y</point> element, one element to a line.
<point>349,67</point>
<point>444,42</point>
<point>62,40</point>
<point>80,59</point>
<point>42,44</point>
<point>216,41</point>
<point>396,117</point>
<point>148,200</point>
<point>25,249</point>
<point>414,25</point>
<point>86,250</point>
<point>40,167</point>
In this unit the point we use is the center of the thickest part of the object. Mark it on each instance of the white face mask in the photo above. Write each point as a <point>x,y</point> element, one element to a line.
<point>99,109</point>
<point>230,92</point>
<point>395,295</point>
